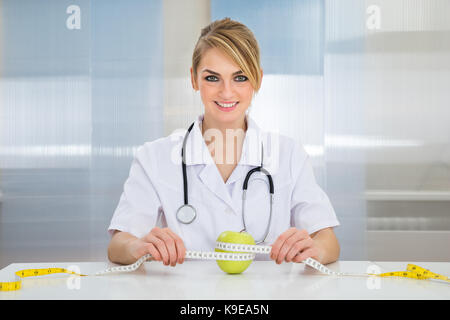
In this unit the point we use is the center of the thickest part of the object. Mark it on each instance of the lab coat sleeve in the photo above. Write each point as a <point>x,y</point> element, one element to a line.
<point>311,208</point>
<point>139,206</point>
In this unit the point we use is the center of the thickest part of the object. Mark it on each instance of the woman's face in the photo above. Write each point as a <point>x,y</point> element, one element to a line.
<point>225,90</point>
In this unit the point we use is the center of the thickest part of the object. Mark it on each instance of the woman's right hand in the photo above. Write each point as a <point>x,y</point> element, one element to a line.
<point>162,243</point>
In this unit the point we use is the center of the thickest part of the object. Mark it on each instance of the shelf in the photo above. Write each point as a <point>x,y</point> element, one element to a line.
<point>406,195</point>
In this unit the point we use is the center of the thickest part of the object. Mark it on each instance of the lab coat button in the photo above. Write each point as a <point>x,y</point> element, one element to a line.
<point>229,211</point>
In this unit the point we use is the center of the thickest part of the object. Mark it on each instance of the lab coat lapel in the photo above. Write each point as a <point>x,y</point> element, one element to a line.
<point>210,175</point>
<point>197,153</point>
<point>211,178</point>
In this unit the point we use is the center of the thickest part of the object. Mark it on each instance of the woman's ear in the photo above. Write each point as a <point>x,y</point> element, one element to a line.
<point>261,77</point>
<point>194,84</point>
<point>260,82</point>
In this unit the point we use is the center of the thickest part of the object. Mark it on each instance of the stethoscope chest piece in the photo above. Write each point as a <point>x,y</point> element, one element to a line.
<point>186,214</point>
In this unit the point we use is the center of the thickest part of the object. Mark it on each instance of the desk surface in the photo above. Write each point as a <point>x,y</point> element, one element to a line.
<point>195,280</point>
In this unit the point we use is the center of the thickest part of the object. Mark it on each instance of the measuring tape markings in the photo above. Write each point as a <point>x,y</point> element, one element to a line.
<point>412,270</point>
<point>16,285</point>
<point>415,272</point>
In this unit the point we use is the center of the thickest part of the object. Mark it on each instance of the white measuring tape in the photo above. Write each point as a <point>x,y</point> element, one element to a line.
<point>250,252</point>
<point>412,271</point>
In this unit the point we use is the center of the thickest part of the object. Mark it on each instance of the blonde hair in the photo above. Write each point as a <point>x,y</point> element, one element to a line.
<point>236,41</point>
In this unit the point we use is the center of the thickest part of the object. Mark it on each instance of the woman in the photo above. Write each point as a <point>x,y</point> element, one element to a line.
<point>226,70</point>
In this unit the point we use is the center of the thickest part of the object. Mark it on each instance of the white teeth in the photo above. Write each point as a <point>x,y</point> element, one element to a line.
<point>226,105</point>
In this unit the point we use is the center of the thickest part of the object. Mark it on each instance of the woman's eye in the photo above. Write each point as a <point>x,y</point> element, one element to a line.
<point>215,79</point>
<point>243,78</point>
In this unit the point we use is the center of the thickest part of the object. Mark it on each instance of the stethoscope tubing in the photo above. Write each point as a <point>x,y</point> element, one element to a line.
<point>244,189</point>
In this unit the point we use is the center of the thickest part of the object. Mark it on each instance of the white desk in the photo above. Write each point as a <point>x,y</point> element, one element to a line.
<point>195,280</point>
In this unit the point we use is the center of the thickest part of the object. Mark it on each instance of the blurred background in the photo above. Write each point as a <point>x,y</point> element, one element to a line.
<point>363,85</point>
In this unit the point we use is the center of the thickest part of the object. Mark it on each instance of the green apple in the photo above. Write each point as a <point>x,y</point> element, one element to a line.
<point>233,267</point>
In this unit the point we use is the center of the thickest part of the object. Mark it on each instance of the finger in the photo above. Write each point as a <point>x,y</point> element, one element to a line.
<point>297,248</point>
<point>181,249</point>
<point>289,243</point>
<point>279,242</point>
<point>308,253</point>
<point>153,251</point>
<point>173,250</point>
<point>160,245</point>
<point>170,245</point>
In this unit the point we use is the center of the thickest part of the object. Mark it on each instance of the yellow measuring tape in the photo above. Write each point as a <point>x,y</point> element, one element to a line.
<point>415,272</point>
<point>246,253</point>
<point>412,271</point>
<point>16,285</point>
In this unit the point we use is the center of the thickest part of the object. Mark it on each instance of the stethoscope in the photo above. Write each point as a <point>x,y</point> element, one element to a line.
<point>187,213</point>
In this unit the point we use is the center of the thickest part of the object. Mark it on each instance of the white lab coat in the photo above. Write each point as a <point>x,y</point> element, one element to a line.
<point>153,191</point>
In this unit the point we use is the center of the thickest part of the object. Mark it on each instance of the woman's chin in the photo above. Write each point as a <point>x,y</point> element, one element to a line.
<point>227,115</point>
<point>230,117</point>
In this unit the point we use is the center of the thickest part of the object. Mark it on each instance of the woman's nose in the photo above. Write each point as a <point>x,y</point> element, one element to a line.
<point>227,90</point>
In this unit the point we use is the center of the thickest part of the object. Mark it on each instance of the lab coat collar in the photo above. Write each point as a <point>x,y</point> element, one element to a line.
<point>197,151</point>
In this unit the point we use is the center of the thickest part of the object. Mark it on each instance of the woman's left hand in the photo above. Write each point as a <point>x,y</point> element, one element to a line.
<point>295,245</point>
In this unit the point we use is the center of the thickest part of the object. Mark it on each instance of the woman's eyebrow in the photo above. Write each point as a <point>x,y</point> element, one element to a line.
<point>218,74</point>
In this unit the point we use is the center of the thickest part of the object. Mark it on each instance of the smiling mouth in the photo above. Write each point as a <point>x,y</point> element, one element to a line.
<point>226,105</point>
